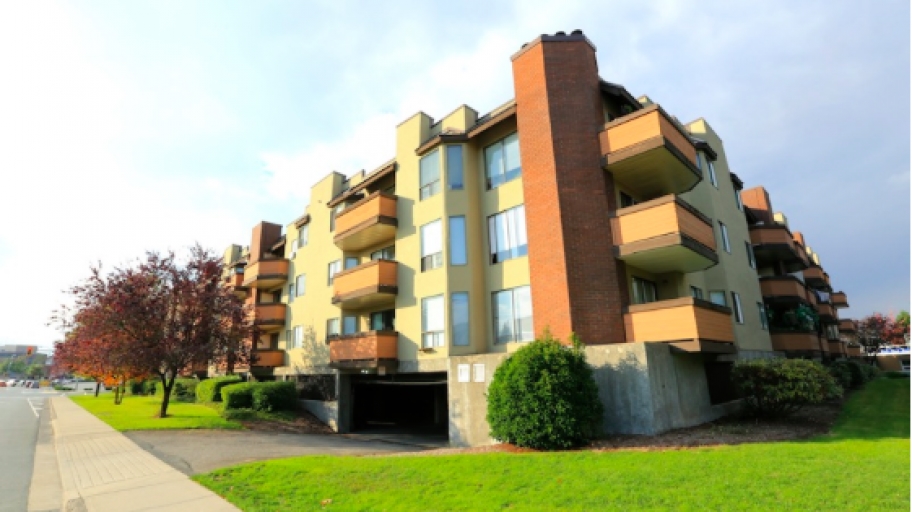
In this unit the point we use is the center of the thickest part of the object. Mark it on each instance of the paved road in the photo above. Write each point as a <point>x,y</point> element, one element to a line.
<point>201,451</point>
<point>21,410</point>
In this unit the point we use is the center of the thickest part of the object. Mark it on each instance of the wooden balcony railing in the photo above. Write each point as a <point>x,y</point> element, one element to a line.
<point>368,222</point>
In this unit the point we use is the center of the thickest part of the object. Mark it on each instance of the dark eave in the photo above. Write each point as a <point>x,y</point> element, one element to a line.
<point>375,176</point>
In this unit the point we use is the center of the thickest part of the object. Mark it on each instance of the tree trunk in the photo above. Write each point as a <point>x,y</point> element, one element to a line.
<point>167,385</point>
<point>97,388</point>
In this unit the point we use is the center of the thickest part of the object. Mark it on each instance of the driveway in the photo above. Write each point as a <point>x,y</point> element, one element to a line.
<point>201,451</point>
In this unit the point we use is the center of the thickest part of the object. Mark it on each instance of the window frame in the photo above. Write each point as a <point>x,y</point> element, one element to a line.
<point>507,175</point>
<point>713,179</point>
<point>514,230</point>
<point>431,188</point>
<point>349,319</point>
<point>721,293</point>
<point>455,169</point>
<point>696,292</point>
<point>638,286</point>
<point>433,260</point>
<point>764,321</point>
<point>459,253</point>
<point>338,327</point>
<point>736,308</point>
<point>723,233</point>
<point>300,285</point>
<point>332,275</point>
<point>303,235</point>
<point>516,295</point>
<point>437,337</point>
<point>751,258</point>
<point>461,330</point>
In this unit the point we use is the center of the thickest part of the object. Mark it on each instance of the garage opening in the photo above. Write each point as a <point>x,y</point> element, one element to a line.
<point>400,404</point>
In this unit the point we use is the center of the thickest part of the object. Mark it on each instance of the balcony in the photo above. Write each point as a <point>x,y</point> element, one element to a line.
<point>372,284</point>
<point>773,243</point>
<point>783,289</point>
<point>664,235</point>
<point>690,324</point>
<point>846,325</point>
<point>270,358</point>
<point>815,277</point>
<point>826,312</point>
<point>266,274</point>
<point>795,341</point>
<point>366,223</point>
<point>235,281</point>
<point>270,317</point>
<point>837,348</point>
<point>839,300</point>
<point>365,350</point>
<point>648,154</point>
<point>854,351</point>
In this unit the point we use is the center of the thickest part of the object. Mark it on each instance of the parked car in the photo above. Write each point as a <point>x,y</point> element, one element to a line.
<point>2,383</point>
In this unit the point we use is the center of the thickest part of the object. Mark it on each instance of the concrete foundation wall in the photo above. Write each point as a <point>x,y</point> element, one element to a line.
<point>645,388</point>
<point>327,412</point>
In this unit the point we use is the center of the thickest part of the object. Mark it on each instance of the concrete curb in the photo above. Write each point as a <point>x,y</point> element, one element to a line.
<point>45,494</point>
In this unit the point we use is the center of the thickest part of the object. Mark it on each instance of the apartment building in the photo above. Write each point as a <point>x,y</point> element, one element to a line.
<point>574,207</point>
<point>802,306</point>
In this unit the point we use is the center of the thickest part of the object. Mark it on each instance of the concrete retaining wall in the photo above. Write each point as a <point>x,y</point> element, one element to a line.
<point>327,412</point>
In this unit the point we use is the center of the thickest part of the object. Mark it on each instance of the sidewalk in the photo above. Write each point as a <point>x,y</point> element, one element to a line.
<point>101,470</point>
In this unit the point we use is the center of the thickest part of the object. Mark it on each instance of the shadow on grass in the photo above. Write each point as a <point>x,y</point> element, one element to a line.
<point>879,411</point>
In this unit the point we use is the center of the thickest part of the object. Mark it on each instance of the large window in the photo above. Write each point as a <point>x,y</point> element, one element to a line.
<point>300,285</point>
<point>736,303</point>
<point>431,246</point>
<point>457,241</point>
<point>349,324</point>
<point>387,253</point>
<point>723,230</point>
<point>332,327</point>
<point>644,291</point>
<point>432,322</point>
<point>303,234</point>
<point>334,268</point>
<point>429,171</point>
<point>751,260</point>
<point>507,234</point>
<point>513,315</point>
<point>459,311</point>
<point>718,297</point>
<point>502,161</point>
<point>454,167</point>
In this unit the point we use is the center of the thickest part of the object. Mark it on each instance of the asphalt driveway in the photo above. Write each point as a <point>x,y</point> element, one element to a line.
<point>201,451</point>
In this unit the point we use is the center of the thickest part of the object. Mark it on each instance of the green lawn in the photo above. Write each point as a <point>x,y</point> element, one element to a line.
<point>862,465</point>
<point>138,413</point>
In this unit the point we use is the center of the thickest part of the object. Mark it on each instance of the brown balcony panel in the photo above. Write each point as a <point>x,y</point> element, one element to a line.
<point>367,223</point>
<point>846,325</point>
<point>270,358</point>
<point>853,351</point>
<point>783,289</point>
<point>266,274</point>
<point>648,154</point>
<point>270,317</point>
<point>839,300</point>
<point>814,277</point>
<point>773,243</point>
<point>796,341</point>
<point>827,313</point>
<point>664,235</point>
<point>364,350</point>
<point>372,284</point>
<point>236,283</point>
<point>836,347</point>
<point>688,321</point>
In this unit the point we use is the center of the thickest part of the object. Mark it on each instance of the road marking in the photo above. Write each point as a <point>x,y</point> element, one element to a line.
<point>29,400</point>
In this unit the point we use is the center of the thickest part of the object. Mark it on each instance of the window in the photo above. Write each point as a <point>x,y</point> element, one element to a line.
<point>289,339</point>
<point>429,174</point>
<point>351,262</point>
<point>626,200</point>
<point>513,315</point>
<point>454,167</point>
<point>457,241</point>
<point>432,322</point>
<point>723,229</point>
<point>297,337</point>
<point>738,199</point>
<point>333,214</point>
<point>431,246</point>
<point>303,234</point>
<point>301,284</point>
<point>696,293</point>
<point>383,320</point>
<point>502,161</point>
<point>718,297</point>
<point>507,234</point>
<point>764,321</point>
<point>750,255</point>
<point>291,293</point>
<point>736,302</point>
<point>334,268</point>
<point>459,313</point>
<point>387,253</point>
<point>712,173</point>
<point>332,327</point>
<point>644,291</point>
<point>349,324</point>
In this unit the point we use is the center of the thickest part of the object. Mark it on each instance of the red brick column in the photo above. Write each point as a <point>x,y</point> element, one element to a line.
<point>577,284</point>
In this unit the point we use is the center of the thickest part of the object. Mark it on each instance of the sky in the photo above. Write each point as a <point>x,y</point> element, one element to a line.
<point>134,126</point>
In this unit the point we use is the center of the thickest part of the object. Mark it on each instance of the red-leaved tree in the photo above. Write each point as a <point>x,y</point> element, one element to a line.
<point>163,316</point>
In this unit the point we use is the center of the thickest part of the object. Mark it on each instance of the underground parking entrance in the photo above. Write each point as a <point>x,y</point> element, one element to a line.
<point>398,404</point>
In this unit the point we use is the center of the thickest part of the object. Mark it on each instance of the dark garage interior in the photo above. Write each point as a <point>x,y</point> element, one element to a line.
<point>392,404</point>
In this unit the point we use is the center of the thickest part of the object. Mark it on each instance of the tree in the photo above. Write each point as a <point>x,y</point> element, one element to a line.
<point>878,329</point>
<point>158,317</point>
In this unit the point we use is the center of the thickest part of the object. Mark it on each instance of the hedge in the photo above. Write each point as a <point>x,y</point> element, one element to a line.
<point>238,396</point>
<point>778,387</point>
<point>185,389</point>
<point>275,396</point>
<point>210,390</point>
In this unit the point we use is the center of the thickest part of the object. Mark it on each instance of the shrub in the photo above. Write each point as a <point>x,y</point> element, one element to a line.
<point>137,387</point>
<point>777,387</point>
<point>841,373</point>
<point>210,390</point>
<point>868,371</point>
<point>544,396</point>
<point>896,375</point>
<point>275,396</point>
<point>150,386</point>
<point>185,389</point>
<point>238,396</point>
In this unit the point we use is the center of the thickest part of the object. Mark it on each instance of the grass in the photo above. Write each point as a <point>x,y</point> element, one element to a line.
<point>862,465</point>
<point>139,413</point>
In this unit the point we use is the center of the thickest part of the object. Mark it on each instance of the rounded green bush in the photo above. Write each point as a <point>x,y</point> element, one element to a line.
<point>544,396</point>
<point>210,390</point>
<point>777,387</point>
<point>275,396</point>
<point>238,396</point>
